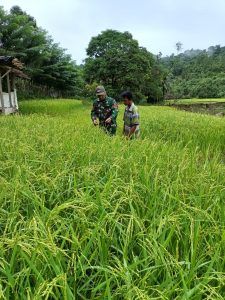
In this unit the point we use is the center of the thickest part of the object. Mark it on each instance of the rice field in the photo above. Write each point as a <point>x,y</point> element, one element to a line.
<point>87,216</point>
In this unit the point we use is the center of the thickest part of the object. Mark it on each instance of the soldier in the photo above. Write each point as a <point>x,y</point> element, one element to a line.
<point>131,128</point>
<point>105,109</point>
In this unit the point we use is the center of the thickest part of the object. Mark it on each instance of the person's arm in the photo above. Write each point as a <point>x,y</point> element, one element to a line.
<point>94,115</point>
<point>114,112</point>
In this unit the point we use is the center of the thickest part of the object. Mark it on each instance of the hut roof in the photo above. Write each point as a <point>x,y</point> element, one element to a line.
<point>11,61</point>
<point>13,64</point>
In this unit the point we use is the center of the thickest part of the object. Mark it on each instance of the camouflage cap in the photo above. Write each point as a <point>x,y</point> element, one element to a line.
<point>100,90</point>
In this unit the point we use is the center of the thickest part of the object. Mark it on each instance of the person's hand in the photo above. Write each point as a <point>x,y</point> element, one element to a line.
<point>95,122</point>
<point>108,121</point>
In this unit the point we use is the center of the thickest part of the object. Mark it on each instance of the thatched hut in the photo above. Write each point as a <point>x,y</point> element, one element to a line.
<point>10,68</point>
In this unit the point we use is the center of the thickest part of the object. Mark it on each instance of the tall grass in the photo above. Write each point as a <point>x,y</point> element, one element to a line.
<point>86,216</point>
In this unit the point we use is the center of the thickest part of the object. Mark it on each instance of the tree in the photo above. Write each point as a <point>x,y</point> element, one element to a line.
<point>45,61</point>
<point>196,73</point>
<point>159,56</point>
<point>179,46</point>
<point>16,10</point>
<point>116,61</point>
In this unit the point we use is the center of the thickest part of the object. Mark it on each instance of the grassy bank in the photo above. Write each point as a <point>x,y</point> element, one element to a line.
<point>195,101</point>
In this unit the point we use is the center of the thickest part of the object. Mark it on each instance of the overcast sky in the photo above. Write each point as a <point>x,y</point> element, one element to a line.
<point>156,24</point>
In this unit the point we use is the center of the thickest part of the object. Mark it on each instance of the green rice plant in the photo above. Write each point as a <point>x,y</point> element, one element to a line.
<point>87,216</point>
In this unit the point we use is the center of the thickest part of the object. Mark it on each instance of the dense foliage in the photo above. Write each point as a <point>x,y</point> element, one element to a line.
<point>117,61</point>
<point>114,59</point>
<point>196,73</point>
<point>45,61</point>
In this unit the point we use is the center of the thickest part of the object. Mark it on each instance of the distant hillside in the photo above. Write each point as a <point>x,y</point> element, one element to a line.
<point>196,73</point>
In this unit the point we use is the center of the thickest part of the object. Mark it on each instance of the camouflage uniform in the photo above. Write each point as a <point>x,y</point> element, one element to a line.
<point>131,118</point>
<point>103,110</point>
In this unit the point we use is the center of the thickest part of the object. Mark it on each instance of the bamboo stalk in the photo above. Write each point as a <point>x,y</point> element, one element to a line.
<point>14,90</point>
<point>1,95</point>
<point>9,91</point>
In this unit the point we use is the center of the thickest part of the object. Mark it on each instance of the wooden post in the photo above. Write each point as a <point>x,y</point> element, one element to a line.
<point>14,90</point>
<point>9,91</point>
<point>1,95</point>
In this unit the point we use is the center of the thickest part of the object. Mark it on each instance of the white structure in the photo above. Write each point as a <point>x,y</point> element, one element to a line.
<point>9,107</point>
<point>9,69</point>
